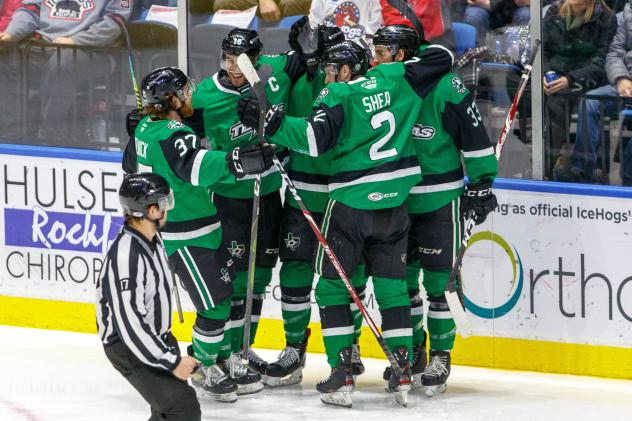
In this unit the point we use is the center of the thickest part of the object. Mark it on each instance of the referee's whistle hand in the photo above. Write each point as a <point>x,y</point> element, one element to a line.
<point>185,368</point>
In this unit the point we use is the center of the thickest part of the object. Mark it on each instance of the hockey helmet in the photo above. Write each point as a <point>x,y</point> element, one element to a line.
<point>158,84</point>
<point>329,36</point>
<point>240,41</point>
<point>349,53</point>
<point>138,191</point>
<point>395,37</point>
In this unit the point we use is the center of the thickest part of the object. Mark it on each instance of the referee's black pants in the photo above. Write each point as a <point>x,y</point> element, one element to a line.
<point>170,398</point>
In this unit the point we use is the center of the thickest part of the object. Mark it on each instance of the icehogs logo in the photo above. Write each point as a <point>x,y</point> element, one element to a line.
<point>344,14</point>
<point>69,9</point>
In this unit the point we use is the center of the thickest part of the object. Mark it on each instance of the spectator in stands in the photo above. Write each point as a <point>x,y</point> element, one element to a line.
<point>619,72</point>
<point>486,15</point>
<point>358,19</point>
<point>577,36</point>
<point>269,10</point>
<point>433,18</point>
<point>63,72</point>
<point>7,8</point>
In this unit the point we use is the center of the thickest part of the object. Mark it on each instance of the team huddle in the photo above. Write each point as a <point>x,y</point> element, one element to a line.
<point>378,153</point>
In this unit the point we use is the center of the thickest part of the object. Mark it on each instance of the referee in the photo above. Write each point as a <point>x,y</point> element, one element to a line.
<point>134,304</point>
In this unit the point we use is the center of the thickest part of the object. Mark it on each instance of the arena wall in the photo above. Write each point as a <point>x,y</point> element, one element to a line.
<point>547,279</point>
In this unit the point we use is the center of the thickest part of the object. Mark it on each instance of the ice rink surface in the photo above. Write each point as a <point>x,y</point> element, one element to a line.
<point>52,375</point>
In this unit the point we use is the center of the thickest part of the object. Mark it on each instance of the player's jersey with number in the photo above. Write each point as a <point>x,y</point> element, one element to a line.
<point>172,150</point>
<point>367,124</point>
<point>448,126</point>
<point>217,102</point>
<point>309,174</point>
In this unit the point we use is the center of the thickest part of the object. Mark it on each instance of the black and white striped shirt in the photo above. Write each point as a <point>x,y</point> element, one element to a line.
<point>134,299</point>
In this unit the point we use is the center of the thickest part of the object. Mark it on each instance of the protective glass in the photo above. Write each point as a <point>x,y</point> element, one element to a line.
<point>329,68</point>
<point>385,53</point>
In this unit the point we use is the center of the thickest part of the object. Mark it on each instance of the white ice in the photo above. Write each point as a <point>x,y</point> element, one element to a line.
<point>52,375</point>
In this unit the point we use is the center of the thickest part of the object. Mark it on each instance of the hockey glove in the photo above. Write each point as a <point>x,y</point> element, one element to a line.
<point>304,40</point>
<point>250,159</point>
<point>248,111</point>
<point>131,122</point>
<point>480,199</point>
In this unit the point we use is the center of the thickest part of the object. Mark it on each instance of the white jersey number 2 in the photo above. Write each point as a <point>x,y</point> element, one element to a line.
<point>378,121</point>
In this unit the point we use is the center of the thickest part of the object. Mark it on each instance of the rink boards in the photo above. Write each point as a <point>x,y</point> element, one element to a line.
<point>548,278</point>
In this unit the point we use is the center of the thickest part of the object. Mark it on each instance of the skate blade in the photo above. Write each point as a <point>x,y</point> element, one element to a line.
<point>292,378</point>
<point>401,397</point>
<point>223,397</point>
<point>432,391</point>
<point>249,389</point>
<point>416,381</point>
<point>337,399</point>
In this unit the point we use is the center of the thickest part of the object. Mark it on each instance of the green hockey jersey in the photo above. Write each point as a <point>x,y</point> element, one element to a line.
<point>215,117</point>
<point>449,126</point>
<point>173,150</point>
<point>309,174</point>
<point>367,124</point>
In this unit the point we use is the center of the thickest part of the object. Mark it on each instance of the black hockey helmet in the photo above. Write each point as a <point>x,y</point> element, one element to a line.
<point>240,41</point>
<point>329,36</point>
<point>396,37</point>
<point>349,53</point>
<point>158,84</point>
<point>138,191</point>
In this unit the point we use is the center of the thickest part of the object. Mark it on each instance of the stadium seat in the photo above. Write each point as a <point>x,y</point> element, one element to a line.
<point>154,43</point>
<point>206,41</point>
<point>275,40</point>
<point>465,36</point>
<point>288,21</point>
<point>254,24</point>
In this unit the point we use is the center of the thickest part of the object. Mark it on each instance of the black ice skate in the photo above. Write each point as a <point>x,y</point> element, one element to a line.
<point>248,381</point>
<point>337,388</point>
<point>288,369</point>
<point>214,382</point>
<point>256,363</point>
<point>420,359</point>
<point>357,368</point>
<point>400,383</point>
<point>437,372</point>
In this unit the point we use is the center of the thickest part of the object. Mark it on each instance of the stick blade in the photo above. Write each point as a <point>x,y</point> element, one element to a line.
<point>249,71</point>
<point>463,325</point>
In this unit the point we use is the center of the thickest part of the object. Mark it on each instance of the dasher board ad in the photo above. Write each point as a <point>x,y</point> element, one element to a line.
<point>554,267</point>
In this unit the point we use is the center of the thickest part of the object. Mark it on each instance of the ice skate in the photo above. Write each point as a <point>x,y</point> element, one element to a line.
<point>337,388</point>
<point>357,368</point>
<point>257,363</point>
<point>417,368</point>
<point>436,373</point>
<point>400,383</point>
<point>288,369</point>
<point>248,381</point>
<point>214,382</point>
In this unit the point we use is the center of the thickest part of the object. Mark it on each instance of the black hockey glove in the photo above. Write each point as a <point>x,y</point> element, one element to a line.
<point>131,122</point>
<point>250,159</point>
<point>480,199</point>
<point>248,111</point>
<point>304,40</point>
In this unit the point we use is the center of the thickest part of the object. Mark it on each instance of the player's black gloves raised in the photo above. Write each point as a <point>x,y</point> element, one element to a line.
<point>304,40</point>
<point>131,122</point>
<point>248,111</point>
<point>250,159</point>
<point>480,199</point>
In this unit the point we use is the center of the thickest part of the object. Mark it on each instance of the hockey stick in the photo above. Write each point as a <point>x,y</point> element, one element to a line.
<point>251,74</point>
<point>451,295</point>
<point>139,105</point>
<point>121,23</point>
<point>245,65</point>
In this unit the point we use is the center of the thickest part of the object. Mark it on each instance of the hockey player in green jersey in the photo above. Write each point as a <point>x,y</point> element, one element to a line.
<point>365,120</point>
<point>298,243</point>
<point>448,127</point>
<point>215,117</point>
<point>192,236</point>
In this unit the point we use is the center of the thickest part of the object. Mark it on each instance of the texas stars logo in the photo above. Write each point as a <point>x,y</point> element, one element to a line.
<point>236,250</point>
<point>225,276</point>
<point>458,85</point>
<point>239,129</point>
<point>292,242</point>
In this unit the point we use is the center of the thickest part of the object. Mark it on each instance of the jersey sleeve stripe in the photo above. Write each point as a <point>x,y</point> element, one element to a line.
<point>195,169</point>
<point>445,49</point>
<point>377,177</point>
<point>479,153</point>
<point>437,187</point>
<point>311,141</point>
